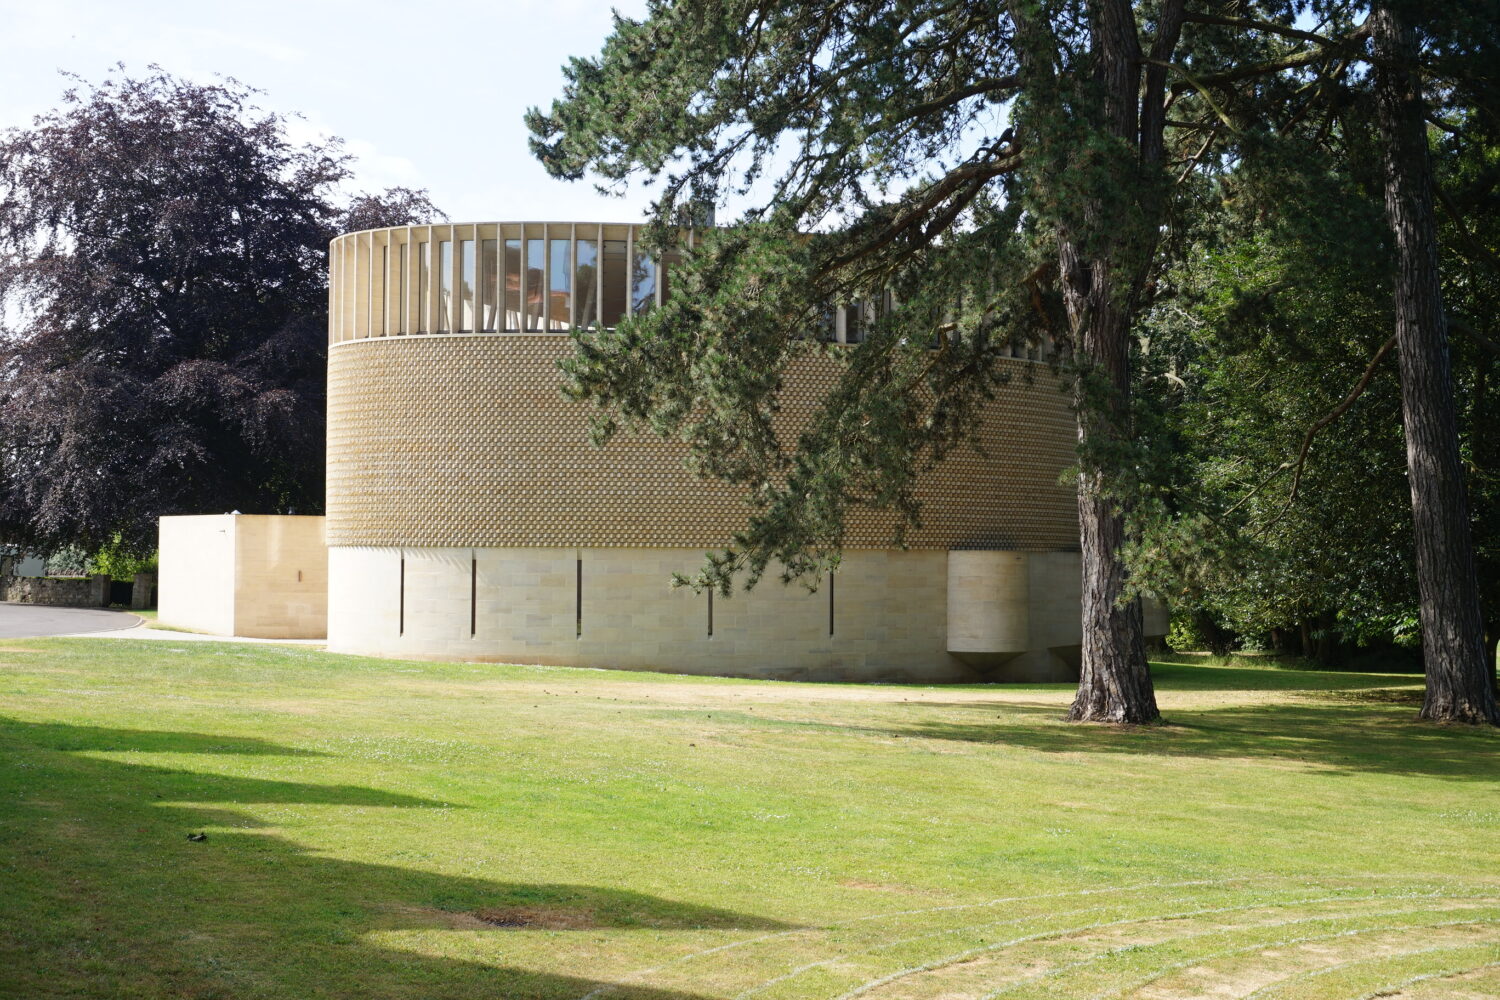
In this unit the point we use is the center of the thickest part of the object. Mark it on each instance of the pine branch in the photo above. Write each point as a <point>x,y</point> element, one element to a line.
<point>1269,27</point>
<point>956,96</point>
<point>1293,61</point>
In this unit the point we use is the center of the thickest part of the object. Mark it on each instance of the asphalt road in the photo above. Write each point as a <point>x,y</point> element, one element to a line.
<point>18,621</point>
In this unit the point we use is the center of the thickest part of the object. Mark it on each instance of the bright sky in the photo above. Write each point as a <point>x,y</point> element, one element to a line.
<point>424,94</point>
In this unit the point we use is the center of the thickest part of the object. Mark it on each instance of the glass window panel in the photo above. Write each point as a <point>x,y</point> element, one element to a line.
<point>826,324</point>
<point>854,328</point>
<point>561,276</point>
<point>489,280</point>
<point>424,285</point>
<point>401,289</point>
<point>367,268</point>
<point>512,284</point>
<point>385,268</point>
<point>643,283</point>
<point>445,286</point>
<point>536,259</point>
<point>614,266</point>
<point>467,282</point>
<point>585,279</point>
<point>669,264</point>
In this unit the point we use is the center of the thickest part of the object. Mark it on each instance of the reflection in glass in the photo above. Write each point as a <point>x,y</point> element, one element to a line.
<point>642,283</point>
<point>669,264</point>
<point>445,286</point>
<point>512,284</point>
<point>489,281</point>
<point>424,283</point>
<point>585,277</point>
<point>536,261</point>
<point>467,281</point>
<point>826,325</point>
<point>854,329</point>
<point>401,288</point>
<point>560,302</point>
<point>614,266</point>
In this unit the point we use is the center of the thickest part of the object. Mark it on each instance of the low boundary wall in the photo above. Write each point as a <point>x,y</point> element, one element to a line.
<point>56,591</point>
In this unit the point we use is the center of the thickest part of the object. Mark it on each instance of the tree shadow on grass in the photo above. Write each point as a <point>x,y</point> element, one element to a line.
<point>106,897</point>
<point>1346,737</point>
<point>1211,677</point>
<point>61,736</point>
<point>1208,677</point>
<point>1340,721</point>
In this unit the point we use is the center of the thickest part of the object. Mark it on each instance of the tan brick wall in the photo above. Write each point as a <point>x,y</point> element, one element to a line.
<point>281,577</point>
<point>264,576</point>
<point>437,441</point>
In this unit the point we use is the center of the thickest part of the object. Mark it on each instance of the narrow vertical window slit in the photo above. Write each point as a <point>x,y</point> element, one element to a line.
<point>578,603</point>
<point>830,604</point>
<point>401,601</point>
<point>473,596</point>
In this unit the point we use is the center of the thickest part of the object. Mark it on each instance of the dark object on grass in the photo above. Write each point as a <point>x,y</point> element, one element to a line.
<point>197,837</point>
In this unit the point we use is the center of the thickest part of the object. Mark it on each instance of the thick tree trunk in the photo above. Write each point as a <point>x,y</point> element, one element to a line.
<point>1103,269</point>
<point>1114,683</point>
<point>1459,685</point>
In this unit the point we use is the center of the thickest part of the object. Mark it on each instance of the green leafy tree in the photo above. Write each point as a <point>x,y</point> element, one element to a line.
<point>1299,286</point>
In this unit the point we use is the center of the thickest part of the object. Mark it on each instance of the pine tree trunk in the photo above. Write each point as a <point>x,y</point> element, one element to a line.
<point>1103,272</point>
<point>1114,683</point>
<point>1459,686</point>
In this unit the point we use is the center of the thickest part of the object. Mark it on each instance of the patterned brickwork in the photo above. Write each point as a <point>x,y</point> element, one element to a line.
<point>467,441</point>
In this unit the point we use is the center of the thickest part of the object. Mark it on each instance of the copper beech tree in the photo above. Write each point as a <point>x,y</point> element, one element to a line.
<point>1006,169</point>
<point>163,266</point>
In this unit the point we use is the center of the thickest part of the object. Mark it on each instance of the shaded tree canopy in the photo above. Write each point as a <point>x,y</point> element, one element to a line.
<point>163,266</point>
<point>1292,433</point>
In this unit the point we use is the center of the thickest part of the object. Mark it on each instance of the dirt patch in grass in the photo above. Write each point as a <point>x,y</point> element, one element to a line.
<point>546,918</point>
<point>17,649</point>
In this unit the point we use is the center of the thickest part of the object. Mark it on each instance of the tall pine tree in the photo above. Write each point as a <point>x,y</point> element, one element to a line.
<point>1007,167</point>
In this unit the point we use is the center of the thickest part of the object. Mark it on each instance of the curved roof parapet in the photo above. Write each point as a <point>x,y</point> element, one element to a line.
<point>517,277</point>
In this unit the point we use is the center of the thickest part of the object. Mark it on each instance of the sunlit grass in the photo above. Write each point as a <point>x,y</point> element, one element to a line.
<point>394,829</point>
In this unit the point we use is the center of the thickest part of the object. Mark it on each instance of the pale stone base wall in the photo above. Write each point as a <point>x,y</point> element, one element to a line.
<point>195,572</point>
<point>889,614</point>
<point>261,576</point>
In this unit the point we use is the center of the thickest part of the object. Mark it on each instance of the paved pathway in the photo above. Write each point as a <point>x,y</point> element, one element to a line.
<point>27,621</point>
<point>146,632</point>
<point>19,621</point>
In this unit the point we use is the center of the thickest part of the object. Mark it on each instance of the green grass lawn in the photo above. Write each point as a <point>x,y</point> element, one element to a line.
<point>389,829</point>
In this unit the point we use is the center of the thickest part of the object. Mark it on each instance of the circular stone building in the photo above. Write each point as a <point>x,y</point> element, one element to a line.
<point>469,517</point>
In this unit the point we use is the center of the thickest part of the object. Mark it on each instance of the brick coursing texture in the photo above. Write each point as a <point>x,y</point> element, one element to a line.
<point>467,441</point>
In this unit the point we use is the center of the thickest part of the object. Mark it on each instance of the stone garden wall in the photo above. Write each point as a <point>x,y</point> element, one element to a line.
<point>57,591</point>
